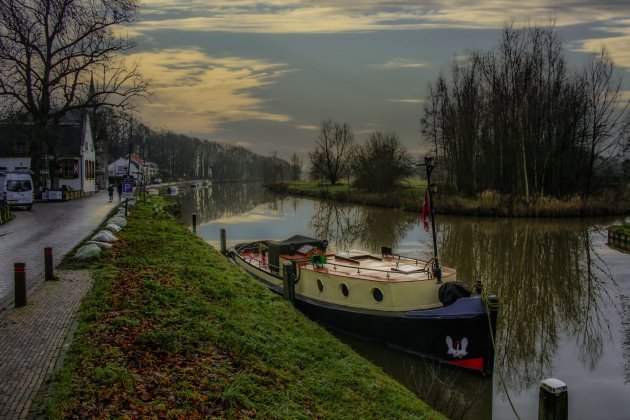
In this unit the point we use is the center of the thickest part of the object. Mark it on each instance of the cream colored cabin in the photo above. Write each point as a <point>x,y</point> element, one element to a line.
<point>359,280</point>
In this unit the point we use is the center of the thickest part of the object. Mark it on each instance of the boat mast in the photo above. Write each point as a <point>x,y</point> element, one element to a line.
<point>437,271</point>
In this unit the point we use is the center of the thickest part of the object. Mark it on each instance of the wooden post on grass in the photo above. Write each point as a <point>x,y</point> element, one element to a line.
<point>19,278</point>
<point>48,263</point>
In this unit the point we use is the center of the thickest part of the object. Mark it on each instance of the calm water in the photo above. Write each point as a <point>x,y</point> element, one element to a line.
<point>565,295</point>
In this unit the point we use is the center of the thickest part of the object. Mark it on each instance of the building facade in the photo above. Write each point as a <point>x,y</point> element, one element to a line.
<point>68,161</point>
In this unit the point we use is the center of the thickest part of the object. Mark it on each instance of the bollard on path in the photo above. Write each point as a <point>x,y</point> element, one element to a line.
<point>194,222</point>
<point>48,264</point>
<point>223,242</point>
<point>288,288</point>
<point>20,284</point>
<point>553,400</point>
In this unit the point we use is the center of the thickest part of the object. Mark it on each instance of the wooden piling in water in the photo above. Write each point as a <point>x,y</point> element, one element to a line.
<point>288,288</point>
<point>553,400</point>
<point>223,242</point>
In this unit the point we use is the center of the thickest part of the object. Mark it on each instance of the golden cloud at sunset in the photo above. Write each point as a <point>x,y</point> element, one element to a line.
<point>192,92</point>
<point>324,16</point>
<point>618,46</point>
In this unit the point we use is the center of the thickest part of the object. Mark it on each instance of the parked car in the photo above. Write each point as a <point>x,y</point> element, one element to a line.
<point>16,189</point>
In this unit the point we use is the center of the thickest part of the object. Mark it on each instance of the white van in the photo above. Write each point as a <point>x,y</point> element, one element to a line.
<point>16,189</point>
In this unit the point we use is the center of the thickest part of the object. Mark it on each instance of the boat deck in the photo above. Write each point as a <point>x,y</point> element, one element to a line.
<point>357,265</point>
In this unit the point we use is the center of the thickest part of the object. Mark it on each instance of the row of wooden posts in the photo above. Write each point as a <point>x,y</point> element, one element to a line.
<point>19,276</point>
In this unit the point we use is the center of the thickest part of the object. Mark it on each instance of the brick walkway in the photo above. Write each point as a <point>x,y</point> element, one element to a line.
<point>33,338</point>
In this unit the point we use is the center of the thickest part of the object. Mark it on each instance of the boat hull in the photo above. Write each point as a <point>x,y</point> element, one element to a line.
<point>461,341</point>
<point>459,334</point>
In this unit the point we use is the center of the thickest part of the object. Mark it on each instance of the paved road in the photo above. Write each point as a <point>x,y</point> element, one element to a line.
<point>60,225</point>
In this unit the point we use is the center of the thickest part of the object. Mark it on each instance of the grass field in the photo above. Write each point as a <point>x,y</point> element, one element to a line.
<point>171,329</point>
<point>409,195</point>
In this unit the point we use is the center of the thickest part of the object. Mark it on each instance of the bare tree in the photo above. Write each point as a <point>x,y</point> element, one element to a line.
<point>605,125</point>
<point>381,162</point>
<point>331,158</point>
<point>516,121</point>
<point>49,52</point>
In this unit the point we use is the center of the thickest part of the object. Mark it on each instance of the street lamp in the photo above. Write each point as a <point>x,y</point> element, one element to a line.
<point>47,159</point>
<point>129,163</point>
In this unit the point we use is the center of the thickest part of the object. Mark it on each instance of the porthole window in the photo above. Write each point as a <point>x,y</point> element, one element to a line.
<point>377,294</point>
<point>320,286</point>
<point>344,289</point>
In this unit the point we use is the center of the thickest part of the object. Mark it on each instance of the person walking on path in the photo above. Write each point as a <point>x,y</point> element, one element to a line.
<point>119,189</point>
<point>110,191</point>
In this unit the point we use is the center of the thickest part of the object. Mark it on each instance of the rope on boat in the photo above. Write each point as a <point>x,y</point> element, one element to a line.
<point>493,305</point>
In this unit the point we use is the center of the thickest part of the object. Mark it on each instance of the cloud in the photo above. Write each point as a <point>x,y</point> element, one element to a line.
<point>307,127</point>
<point>327,16</point>
<point>407,101</point>
<point>618,46</point>
<point>340,16</point>
<point>192,92</point>
<point>399,63</point>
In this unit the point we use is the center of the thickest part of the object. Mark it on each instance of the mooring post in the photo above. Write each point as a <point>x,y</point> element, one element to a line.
<point>20,284</point>
<point>223,242</point>
<point>288,288</point>
<point>553,400</point>
<point>48,263</point>
<point>194,222</point>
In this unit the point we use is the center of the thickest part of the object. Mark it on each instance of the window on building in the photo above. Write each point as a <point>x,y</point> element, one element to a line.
<point>89,169</point>
<point>68,168</point>
<point>21,147</point>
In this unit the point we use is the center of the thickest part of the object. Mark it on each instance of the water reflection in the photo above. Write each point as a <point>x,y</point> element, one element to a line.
<point>551,282</point>
<point>368,228</point>
<point>561,304</point>
<point>453,392</point>
<point>221,200</point>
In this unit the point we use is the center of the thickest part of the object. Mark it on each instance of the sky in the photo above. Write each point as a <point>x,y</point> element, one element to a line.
<point>265,74</point>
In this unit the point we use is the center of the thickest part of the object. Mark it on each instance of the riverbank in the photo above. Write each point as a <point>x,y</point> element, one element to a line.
<point>172,329</point>
<point>410,197</point>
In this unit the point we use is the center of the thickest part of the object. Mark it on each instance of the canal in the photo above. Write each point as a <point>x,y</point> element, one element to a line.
<point>565,295</point>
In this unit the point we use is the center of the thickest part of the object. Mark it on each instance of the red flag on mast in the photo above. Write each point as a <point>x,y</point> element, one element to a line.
<point>426,211</point>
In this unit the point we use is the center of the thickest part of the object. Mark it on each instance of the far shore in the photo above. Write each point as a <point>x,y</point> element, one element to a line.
<point>409,196</point>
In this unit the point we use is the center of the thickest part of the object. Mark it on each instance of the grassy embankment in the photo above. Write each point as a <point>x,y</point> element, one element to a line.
<point>171,329</point>
<point>410,196</point>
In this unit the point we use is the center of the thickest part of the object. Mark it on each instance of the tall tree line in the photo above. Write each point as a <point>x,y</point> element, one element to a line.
<point>516,120</point>
<point>181,156</point>
<point>377,165</point>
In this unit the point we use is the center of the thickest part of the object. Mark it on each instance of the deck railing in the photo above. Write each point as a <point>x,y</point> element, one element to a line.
<point>255,247</point>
